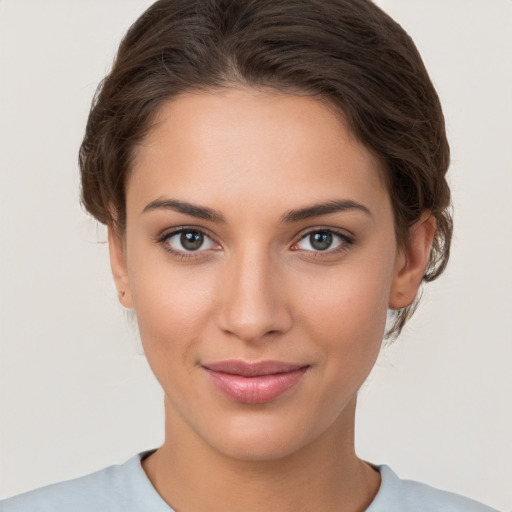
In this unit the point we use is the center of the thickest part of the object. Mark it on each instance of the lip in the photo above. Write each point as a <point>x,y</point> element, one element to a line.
<point>254,382</point>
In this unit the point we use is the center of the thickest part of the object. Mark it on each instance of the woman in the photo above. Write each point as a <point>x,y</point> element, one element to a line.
<point>272,175</point>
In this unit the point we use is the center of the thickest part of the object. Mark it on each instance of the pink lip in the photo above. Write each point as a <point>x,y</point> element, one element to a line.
<point>254,383</point>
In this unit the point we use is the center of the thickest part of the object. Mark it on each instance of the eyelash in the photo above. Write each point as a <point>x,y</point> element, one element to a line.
<point>345,242</point>
<point>182,255</point>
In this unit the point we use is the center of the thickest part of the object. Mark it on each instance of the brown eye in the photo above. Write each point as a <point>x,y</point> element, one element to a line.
<point>323,240</point>
<point>189,240</point>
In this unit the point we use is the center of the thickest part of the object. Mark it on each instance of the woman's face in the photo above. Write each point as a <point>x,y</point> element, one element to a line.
<point>260,257</point>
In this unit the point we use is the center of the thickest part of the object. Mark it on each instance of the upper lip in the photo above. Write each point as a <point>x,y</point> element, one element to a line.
<point>253,369</point>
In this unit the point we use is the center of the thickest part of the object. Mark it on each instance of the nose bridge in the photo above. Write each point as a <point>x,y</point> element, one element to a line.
<point>254,303</point>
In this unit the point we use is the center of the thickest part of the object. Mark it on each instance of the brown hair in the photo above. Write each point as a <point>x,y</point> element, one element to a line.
<point>346,51</point>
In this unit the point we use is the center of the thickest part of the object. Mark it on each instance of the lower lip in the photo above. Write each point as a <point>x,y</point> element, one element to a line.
<point>255,390</point>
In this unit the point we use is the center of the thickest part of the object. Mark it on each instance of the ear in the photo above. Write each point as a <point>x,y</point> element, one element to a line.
<point>119,268</point>
<point>411,262</point>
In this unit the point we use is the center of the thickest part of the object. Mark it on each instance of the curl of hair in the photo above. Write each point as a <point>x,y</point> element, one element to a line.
<point>346,52</point>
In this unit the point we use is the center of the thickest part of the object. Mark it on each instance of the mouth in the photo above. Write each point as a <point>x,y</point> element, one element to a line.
<point>254,383</point>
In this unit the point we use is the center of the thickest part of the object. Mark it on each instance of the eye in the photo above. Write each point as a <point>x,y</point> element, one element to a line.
<point>322,240</point>
<point>188,240</point>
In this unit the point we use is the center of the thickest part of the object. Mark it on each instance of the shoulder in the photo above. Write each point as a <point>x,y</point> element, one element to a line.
<point>116,488</point>
<point>95,491</point>
<point>409,496</point>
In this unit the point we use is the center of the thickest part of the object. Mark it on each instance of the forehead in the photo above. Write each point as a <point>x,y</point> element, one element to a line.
<point>269,145</point>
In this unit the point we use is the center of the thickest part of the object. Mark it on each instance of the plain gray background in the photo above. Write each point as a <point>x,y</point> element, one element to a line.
<point>75,392</point>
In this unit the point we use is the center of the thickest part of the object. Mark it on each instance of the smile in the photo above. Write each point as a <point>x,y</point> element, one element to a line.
<point>254,383</point>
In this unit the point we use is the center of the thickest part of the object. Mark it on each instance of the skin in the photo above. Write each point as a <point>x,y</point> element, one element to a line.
<point>257,289</point>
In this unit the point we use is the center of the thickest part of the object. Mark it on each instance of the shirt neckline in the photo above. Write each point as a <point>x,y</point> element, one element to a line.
<point>388,481</point>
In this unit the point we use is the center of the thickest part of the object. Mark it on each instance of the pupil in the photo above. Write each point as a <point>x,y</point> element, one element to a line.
<point>191,240</point>
<point>321,241</point>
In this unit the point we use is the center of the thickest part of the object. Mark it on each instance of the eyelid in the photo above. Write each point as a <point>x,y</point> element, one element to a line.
<point>170,232</point>
<point>344,233</point>
<point>346,239</point>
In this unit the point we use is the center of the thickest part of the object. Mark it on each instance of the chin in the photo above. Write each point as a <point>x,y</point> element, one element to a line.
<point>258,449</point>
<point>251,439</point>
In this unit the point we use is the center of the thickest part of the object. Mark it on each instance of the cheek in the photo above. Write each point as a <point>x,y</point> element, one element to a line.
<point>173,307</point>
<point>346,317</point>
<point>350,300</point>
<point>347,326</point>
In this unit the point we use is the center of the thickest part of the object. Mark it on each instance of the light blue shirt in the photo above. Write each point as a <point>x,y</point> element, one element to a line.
<point>126,488</point>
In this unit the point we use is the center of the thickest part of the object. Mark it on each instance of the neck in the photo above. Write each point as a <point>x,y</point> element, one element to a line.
<point>324,475</point>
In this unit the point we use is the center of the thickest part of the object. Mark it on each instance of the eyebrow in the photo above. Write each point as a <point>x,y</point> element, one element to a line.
<point>201,212</point>
<point>316,210</point>
<point>205,213</point>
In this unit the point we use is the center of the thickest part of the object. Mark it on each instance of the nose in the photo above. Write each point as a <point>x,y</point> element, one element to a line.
<point>254,305</point>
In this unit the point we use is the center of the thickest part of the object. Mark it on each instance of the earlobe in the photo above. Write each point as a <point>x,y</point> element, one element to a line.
<point>411,262</point>
<point>119,268</point>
